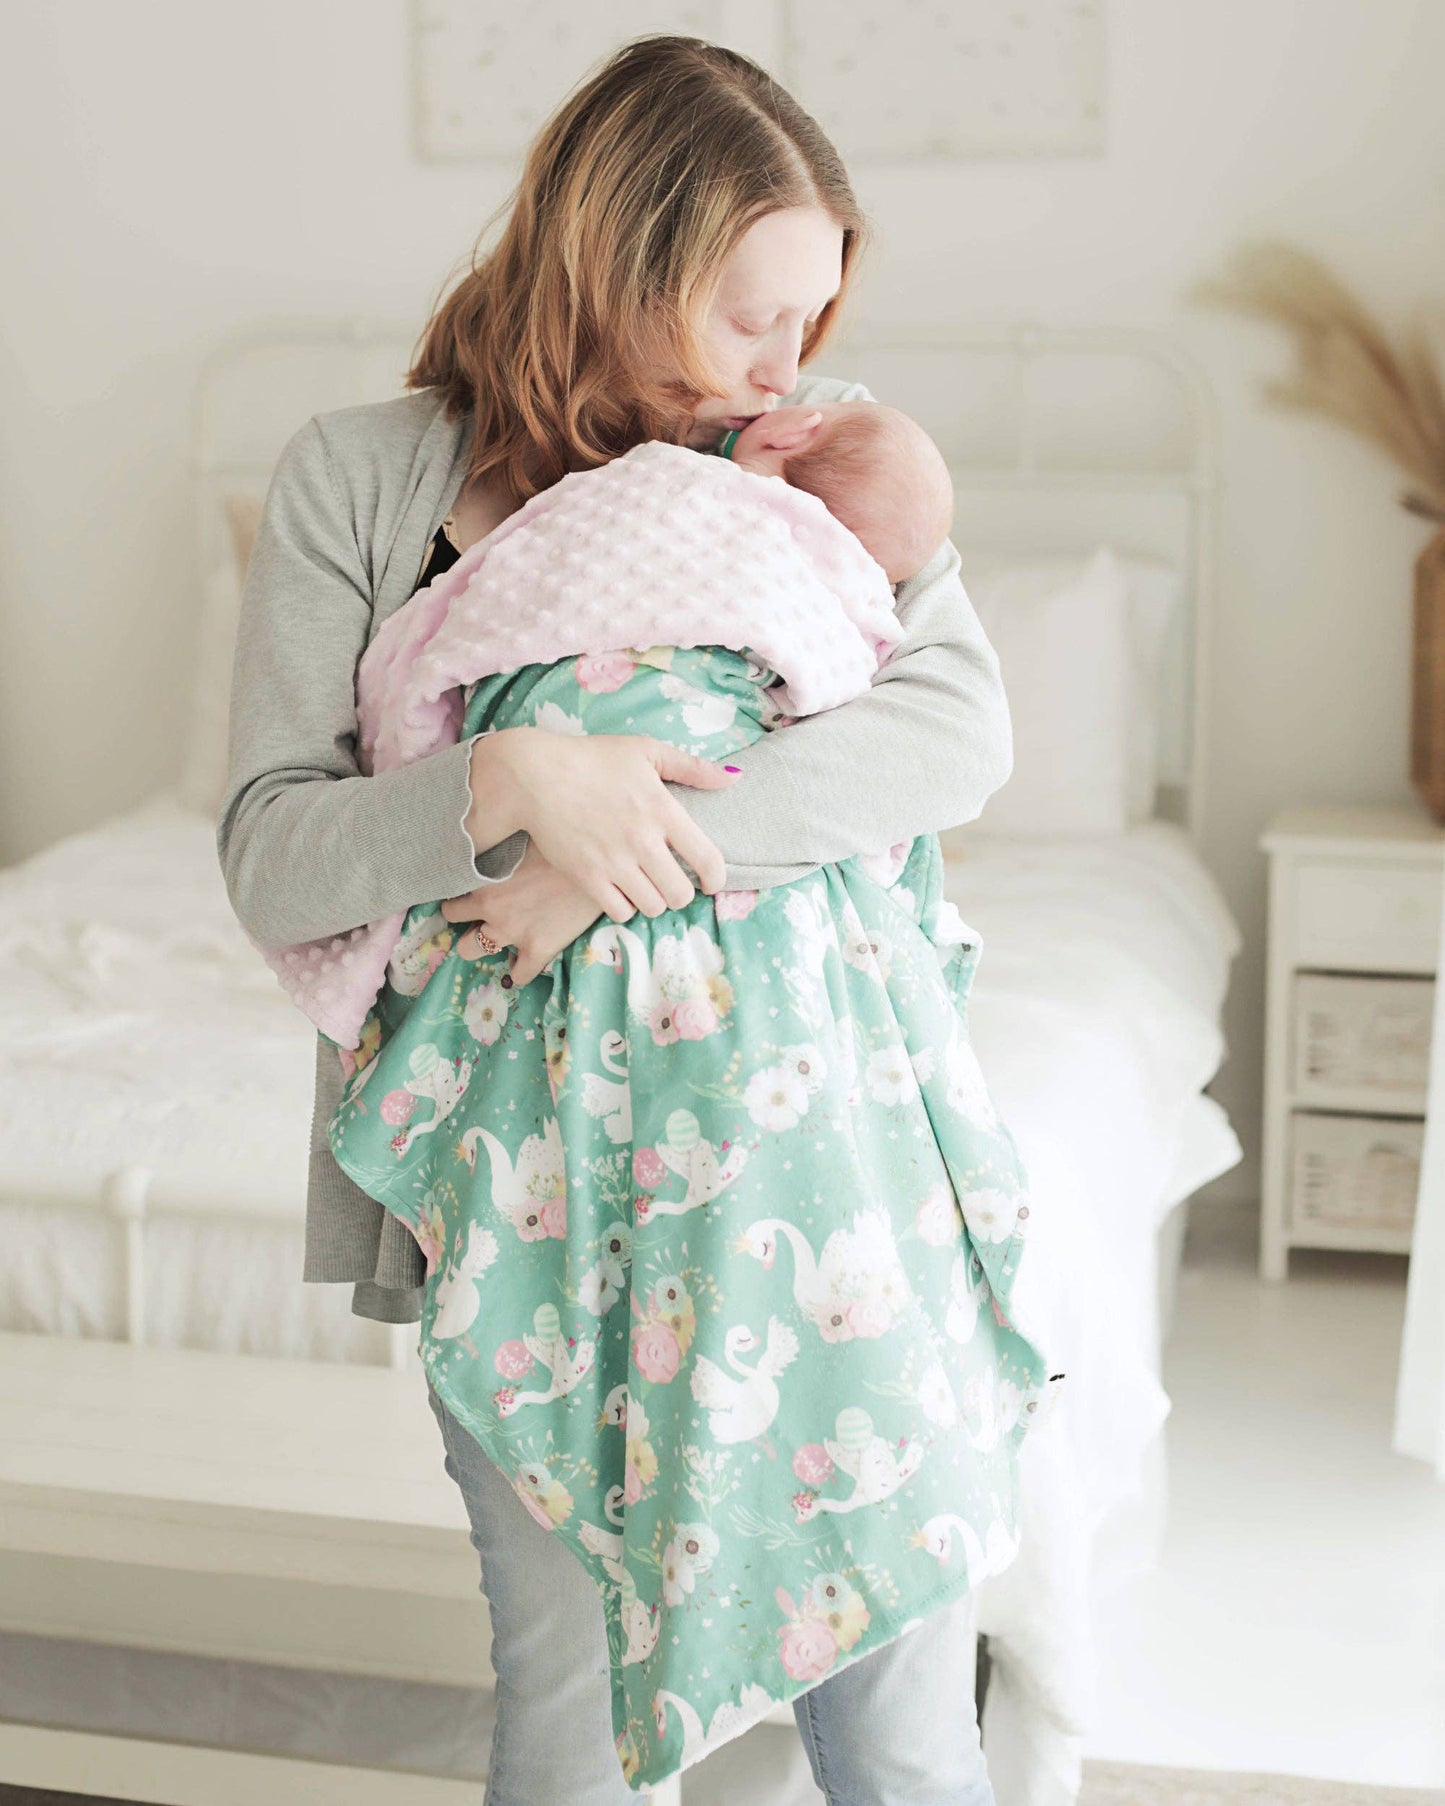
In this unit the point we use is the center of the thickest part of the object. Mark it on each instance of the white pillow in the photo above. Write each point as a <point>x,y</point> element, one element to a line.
<point>1154,590</point>
<point>1062,636</point>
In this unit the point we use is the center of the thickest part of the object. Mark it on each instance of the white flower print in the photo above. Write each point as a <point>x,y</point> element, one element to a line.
<point>990,1214</point>
<point>678,1576</point>
<point>806,1060</point>
<point>890,1076</point>
<point>776,1098</point>
<point>485,1012</point>
<point>600,1287</point>
<point>935,1397</point>
<point>967,1092</point>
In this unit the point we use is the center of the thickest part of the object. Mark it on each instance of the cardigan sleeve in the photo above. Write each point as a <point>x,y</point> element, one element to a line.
<point>923,750</point>
<point>310,845</point>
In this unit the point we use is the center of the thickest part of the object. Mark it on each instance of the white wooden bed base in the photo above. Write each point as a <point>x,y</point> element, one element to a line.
<point>297,1512</point>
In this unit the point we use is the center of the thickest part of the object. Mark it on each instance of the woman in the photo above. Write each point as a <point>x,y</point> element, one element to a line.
<point>679,243</point>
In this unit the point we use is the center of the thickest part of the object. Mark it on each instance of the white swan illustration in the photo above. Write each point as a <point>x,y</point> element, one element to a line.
<point>728,1721</point>
<point>443,1081</point>
<point>703,712</point>
<point>457,1300</point>
<point>876,1468</point>
<point>640,1622</point>
<point>552,1349</point>
<point>539,1176</point>
<point>981,1557</point>
<point>611,1099</point>
<point>741,1409</point>
<point>606,1545</point>
<point>705,1174</point>
<point>861,1262</point>
<point>679,962</point>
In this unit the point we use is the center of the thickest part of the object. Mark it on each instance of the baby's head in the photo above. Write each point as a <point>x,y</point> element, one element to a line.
<point>873,468</point>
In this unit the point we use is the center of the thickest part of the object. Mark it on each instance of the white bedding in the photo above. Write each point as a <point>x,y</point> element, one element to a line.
<point>1095,1016</point>
<point>138,1025</point>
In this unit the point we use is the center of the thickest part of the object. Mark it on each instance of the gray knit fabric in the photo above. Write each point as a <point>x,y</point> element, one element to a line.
<point>310,846</point>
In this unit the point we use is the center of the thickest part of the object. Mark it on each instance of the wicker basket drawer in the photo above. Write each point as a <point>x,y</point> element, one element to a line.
<point>1354,1171</point>
<point>1362,1035</point>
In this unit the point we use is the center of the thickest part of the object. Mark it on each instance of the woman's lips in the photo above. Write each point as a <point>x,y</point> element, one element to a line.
<point>739,421</point>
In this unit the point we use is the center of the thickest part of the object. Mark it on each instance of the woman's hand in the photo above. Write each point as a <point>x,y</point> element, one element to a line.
<point>538,910</point>
<point>597,808</point>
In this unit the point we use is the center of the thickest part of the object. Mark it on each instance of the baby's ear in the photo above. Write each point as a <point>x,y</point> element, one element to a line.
<point>786,429</point>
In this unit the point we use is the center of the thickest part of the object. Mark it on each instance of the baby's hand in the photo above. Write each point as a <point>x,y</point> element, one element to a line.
<point>784,430</point>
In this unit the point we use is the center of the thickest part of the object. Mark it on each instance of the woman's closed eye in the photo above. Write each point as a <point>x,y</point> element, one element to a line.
<point>757,332</point>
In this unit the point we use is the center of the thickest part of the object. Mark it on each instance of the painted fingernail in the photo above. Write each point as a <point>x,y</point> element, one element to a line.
<point>732,767</point>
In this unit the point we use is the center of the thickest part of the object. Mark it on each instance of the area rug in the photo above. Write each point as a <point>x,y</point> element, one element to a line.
<point>1131,1784</point>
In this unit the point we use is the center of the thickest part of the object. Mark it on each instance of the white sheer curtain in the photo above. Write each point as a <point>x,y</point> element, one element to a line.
<point>1420,1399</point>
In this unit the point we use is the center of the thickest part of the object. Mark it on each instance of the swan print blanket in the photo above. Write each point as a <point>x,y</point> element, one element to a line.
<point>721,1227</point>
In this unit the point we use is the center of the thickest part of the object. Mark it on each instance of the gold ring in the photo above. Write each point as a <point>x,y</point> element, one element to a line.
<point>486,943</point>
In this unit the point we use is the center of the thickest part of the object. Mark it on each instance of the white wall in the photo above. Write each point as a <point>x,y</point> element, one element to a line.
<point>175,171</point>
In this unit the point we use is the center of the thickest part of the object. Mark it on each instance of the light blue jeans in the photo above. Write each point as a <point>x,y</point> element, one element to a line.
<point>897,1727</point>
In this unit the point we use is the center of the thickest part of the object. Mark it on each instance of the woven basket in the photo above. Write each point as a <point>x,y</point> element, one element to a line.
<point>1427,714</point>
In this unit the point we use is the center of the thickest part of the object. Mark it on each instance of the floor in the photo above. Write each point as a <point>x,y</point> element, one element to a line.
<point>1297,1622</point>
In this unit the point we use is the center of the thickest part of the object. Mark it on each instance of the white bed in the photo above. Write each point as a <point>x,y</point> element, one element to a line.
<point>158,1083</point>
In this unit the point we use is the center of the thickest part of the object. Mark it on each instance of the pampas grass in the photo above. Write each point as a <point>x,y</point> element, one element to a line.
<point>1346,366</point>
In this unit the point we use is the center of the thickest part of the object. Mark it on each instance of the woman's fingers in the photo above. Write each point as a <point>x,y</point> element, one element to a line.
<point>679,767</point>
<point>688,839</point>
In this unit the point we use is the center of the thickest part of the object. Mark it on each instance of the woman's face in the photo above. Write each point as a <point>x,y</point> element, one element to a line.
<point>782,272</point>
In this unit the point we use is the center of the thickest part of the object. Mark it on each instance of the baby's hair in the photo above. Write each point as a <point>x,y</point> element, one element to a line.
<point>879,473</point>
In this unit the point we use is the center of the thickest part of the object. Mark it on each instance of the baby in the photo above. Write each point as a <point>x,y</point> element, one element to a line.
<point>873,468</point>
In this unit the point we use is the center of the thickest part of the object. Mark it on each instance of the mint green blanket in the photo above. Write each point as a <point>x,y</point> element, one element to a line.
<point>698,1277</point>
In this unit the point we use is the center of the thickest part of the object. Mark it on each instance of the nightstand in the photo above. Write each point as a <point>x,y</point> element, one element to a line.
<point>1354,937</point>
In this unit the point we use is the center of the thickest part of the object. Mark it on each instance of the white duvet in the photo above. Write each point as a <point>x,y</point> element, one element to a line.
<point>1095,1016</point>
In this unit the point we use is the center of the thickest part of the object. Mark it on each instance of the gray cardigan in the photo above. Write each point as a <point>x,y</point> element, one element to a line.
<point>310,846</point>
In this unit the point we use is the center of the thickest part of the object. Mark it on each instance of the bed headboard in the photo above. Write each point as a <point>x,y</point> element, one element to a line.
<point>1059,437</point>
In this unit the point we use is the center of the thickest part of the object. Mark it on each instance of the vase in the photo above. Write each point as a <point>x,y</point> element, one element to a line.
<point>1427,711</point>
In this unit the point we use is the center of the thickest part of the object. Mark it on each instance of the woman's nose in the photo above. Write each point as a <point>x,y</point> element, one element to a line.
<point>778,371</point>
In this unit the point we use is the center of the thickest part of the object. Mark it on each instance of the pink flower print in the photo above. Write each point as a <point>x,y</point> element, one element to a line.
<point>655,1349</point>
<point>554,1218</point>
<point>833,1324</point>
<point>397,1107</point>
<point>694,1017</point>
<point>735,905</point>
<point>664,1028</point>
<point>813,1464</point>
<point>648,1168</point>
<point>869,1317</point>
<point>536,1509</point>
<point>512,1360</point>
<point>603,672</point>
<point>532,1223</point>
<point>809,1648</point>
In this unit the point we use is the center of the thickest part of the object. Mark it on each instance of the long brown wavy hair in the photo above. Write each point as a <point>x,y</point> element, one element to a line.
<point>631,199</point>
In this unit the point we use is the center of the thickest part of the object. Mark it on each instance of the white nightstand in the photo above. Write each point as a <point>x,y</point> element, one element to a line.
<point>1354,936</point>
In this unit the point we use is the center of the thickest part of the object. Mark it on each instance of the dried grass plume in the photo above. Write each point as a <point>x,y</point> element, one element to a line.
<point>1347,368</point>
